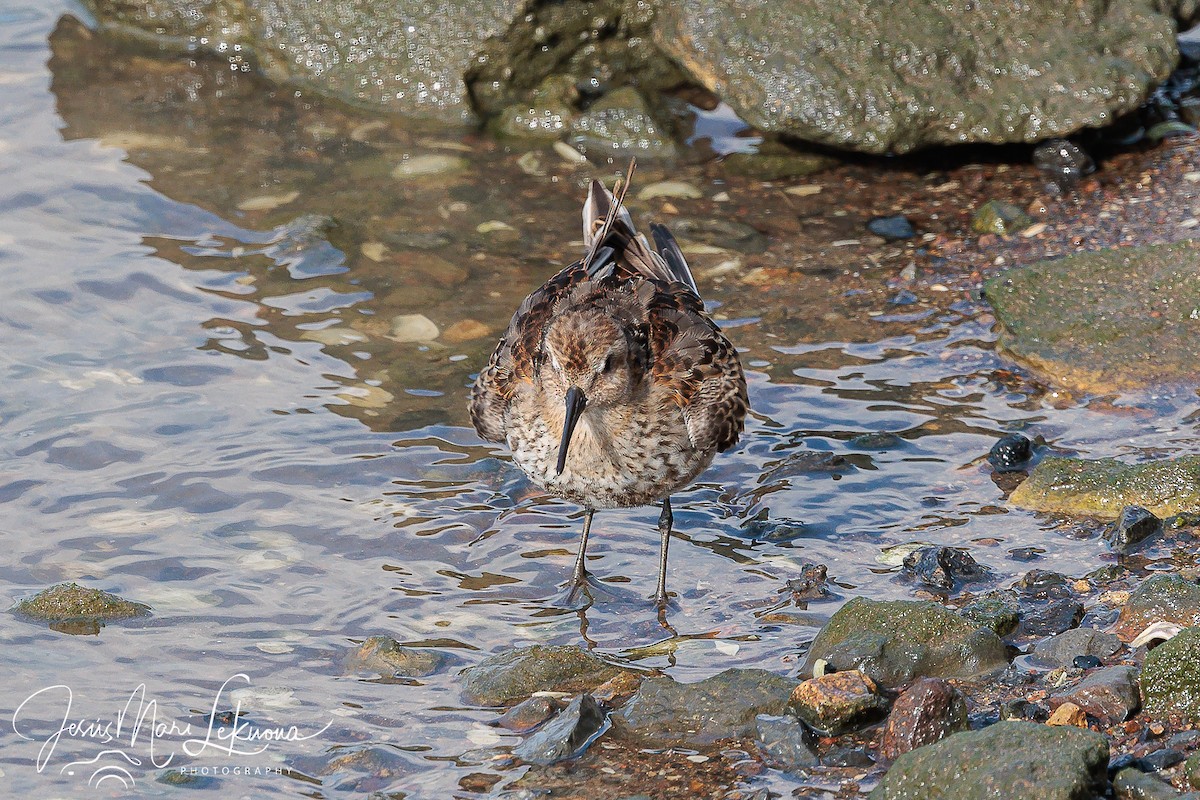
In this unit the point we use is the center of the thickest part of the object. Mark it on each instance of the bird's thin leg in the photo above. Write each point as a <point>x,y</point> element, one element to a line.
<point>664,531</point>
<point>579,574</point>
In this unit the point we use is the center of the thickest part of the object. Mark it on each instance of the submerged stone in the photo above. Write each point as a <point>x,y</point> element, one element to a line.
<point>724,706</point>
<point>514,675</point>
<point>784,742</point>
<point>70,602</point>
<point>390,659</point>
<point>898,641</point>
<point>1000,218</point>
<point>1006,760</point>
<point>1063,162</point>
<point>1105,487</point>
<point>1106,319</point>
<point>620,124</point>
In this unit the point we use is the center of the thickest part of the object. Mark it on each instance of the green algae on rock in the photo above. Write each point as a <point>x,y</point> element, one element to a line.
<point>1163,598</point>
<point>1170,677</point>
<point>390,659</point>
<point>999,218</point>
<point>1008,759</point>
<point>1104,487</point>
<point>68,602</point>
<point>514,675</point>
<point>897,641</point>
<point>1105,320</point>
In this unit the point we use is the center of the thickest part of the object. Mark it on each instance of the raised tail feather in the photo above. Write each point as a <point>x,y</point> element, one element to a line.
<point>664,261</point>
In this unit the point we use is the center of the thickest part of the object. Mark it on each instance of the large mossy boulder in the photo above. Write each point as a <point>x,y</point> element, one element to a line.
<point>1103,488</point>
<point>897,642</point>
<point>1170,677</point>
<point>1163,598</point>
<point>1007,760</point>
<point>514,675</point>
<point>1122,318</point>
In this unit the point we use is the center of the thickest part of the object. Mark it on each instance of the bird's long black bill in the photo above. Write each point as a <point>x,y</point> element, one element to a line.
<point>575,404</point>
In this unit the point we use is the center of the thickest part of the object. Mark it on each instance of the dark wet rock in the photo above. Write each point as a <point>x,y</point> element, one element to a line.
<point>619,124</point>
<point>1011,453</point>
<point>1000,218</point>
<point>1056,617</point>
<point>1063,162</point>
<point>1086,662</point>
<point>528,714</point>
<point>1026,553</point>
<point>807,462</point>
<point>1040,584</point>
<point>775,164</point>
<point>942,567</point>
<point>813,583</point>
<point>1009,760</point>
<point>892,228</point>
<point>1170,678</point>
<point>896,642</point>
<point>1110,694</point>
<point>1061,650</point>
<point>387,657</point>
<point>565,736</point>
<point>514,675</point>
<point>997,611</point>
<point>1133,784</point>
<point>71,608</point>
<point>838,703</point>
<point>1134,525</point>
<point>1082,321</point>
<point>784,742</point>
<point>724,706</point>
<point>1163,598</point>
<point>927,712</point>
<point>884,83</point>
<point>1021,709</point>
<point>1161,759</point>
<point>407,57</point>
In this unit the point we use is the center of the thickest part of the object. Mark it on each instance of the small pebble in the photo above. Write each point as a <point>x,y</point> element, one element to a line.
<point>1085,662</point>
<point>892,228</point>
<point>677,189</point>
<point>425,165</point>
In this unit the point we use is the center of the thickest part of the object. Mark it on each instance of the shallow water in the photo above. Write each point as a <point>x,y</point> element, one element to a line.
<point>202,411</point>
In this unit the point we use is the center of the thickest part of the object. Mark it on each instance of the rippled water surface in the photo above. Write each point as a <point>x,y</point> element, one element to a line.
<point>203,411</point>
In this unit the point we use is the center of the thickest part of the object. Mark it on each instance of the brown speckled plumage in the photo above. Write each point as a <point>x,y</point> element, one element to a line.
<point>664,388</point>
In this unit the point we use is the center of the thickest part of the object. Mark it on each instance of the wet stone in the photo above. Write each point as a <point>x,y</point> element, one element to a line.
<point>892,228</point>
<point>413,328</point>
<point>813,583</point>
<point>514,675</point>
<point>1168,129</point>
<point>879,440</point>
<point>428,165</point>
<point>1000,218</point>
<point>838,703</point>
<point>1133,784</point>
<point>1021,709</point>
<point>1163,598</point>
<point>1058,616</point>
<point>1109,694</point>
<point>899,641</point>
<point>1008,760</point>
<point>1063,162</point>
<point>1161,759</point>
<point>1011,454</point>
<point>620,124</point>
<point>1191,769</point>
<point>997,611</point>
<point>927,712</point>
<point>1170,679</point>
<point>719,232</point>
<point>942,567</point>
<point>1063,649</point>
<point>1068,714</point>
<point>387,657</point>
<point>784,742</point>
<point>68,603</point>
<point>903,298</point>
<point>724,706</point>
<point>567,735</point>
<point>773,165</point>
<point>1040,584</point>
<point>1133,526</point>
<point>528,714</point>
<point>1085,662</point>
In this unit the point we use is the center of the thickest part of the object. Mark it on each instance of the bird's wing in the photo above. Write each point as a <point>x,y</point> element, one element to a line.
<point>634,256</point>
<point>698,367</point>
<point>518,353</point>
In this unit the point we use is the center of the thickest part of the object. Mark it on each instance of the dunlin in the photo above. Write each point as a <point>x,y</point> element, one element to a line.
<point>612,387</point>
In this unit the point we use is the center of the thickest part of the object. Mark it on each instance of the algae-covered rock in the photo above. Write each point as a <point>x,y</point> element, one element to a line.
<point>878,77</point>
<point>1000,218</point>
<point>620,124</point>
<point>1105,487</point>
<point>1170,677</point>
<point>406,55</point>
<point>1007,760</point>
<point>70,602</point>
<point>547,114</point>
<point>898,641</point>
<point>775,162</point>
<point>514,675</point>
<point>1163,598</point>
<point>724,706</point>
<point>1122,318</point>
